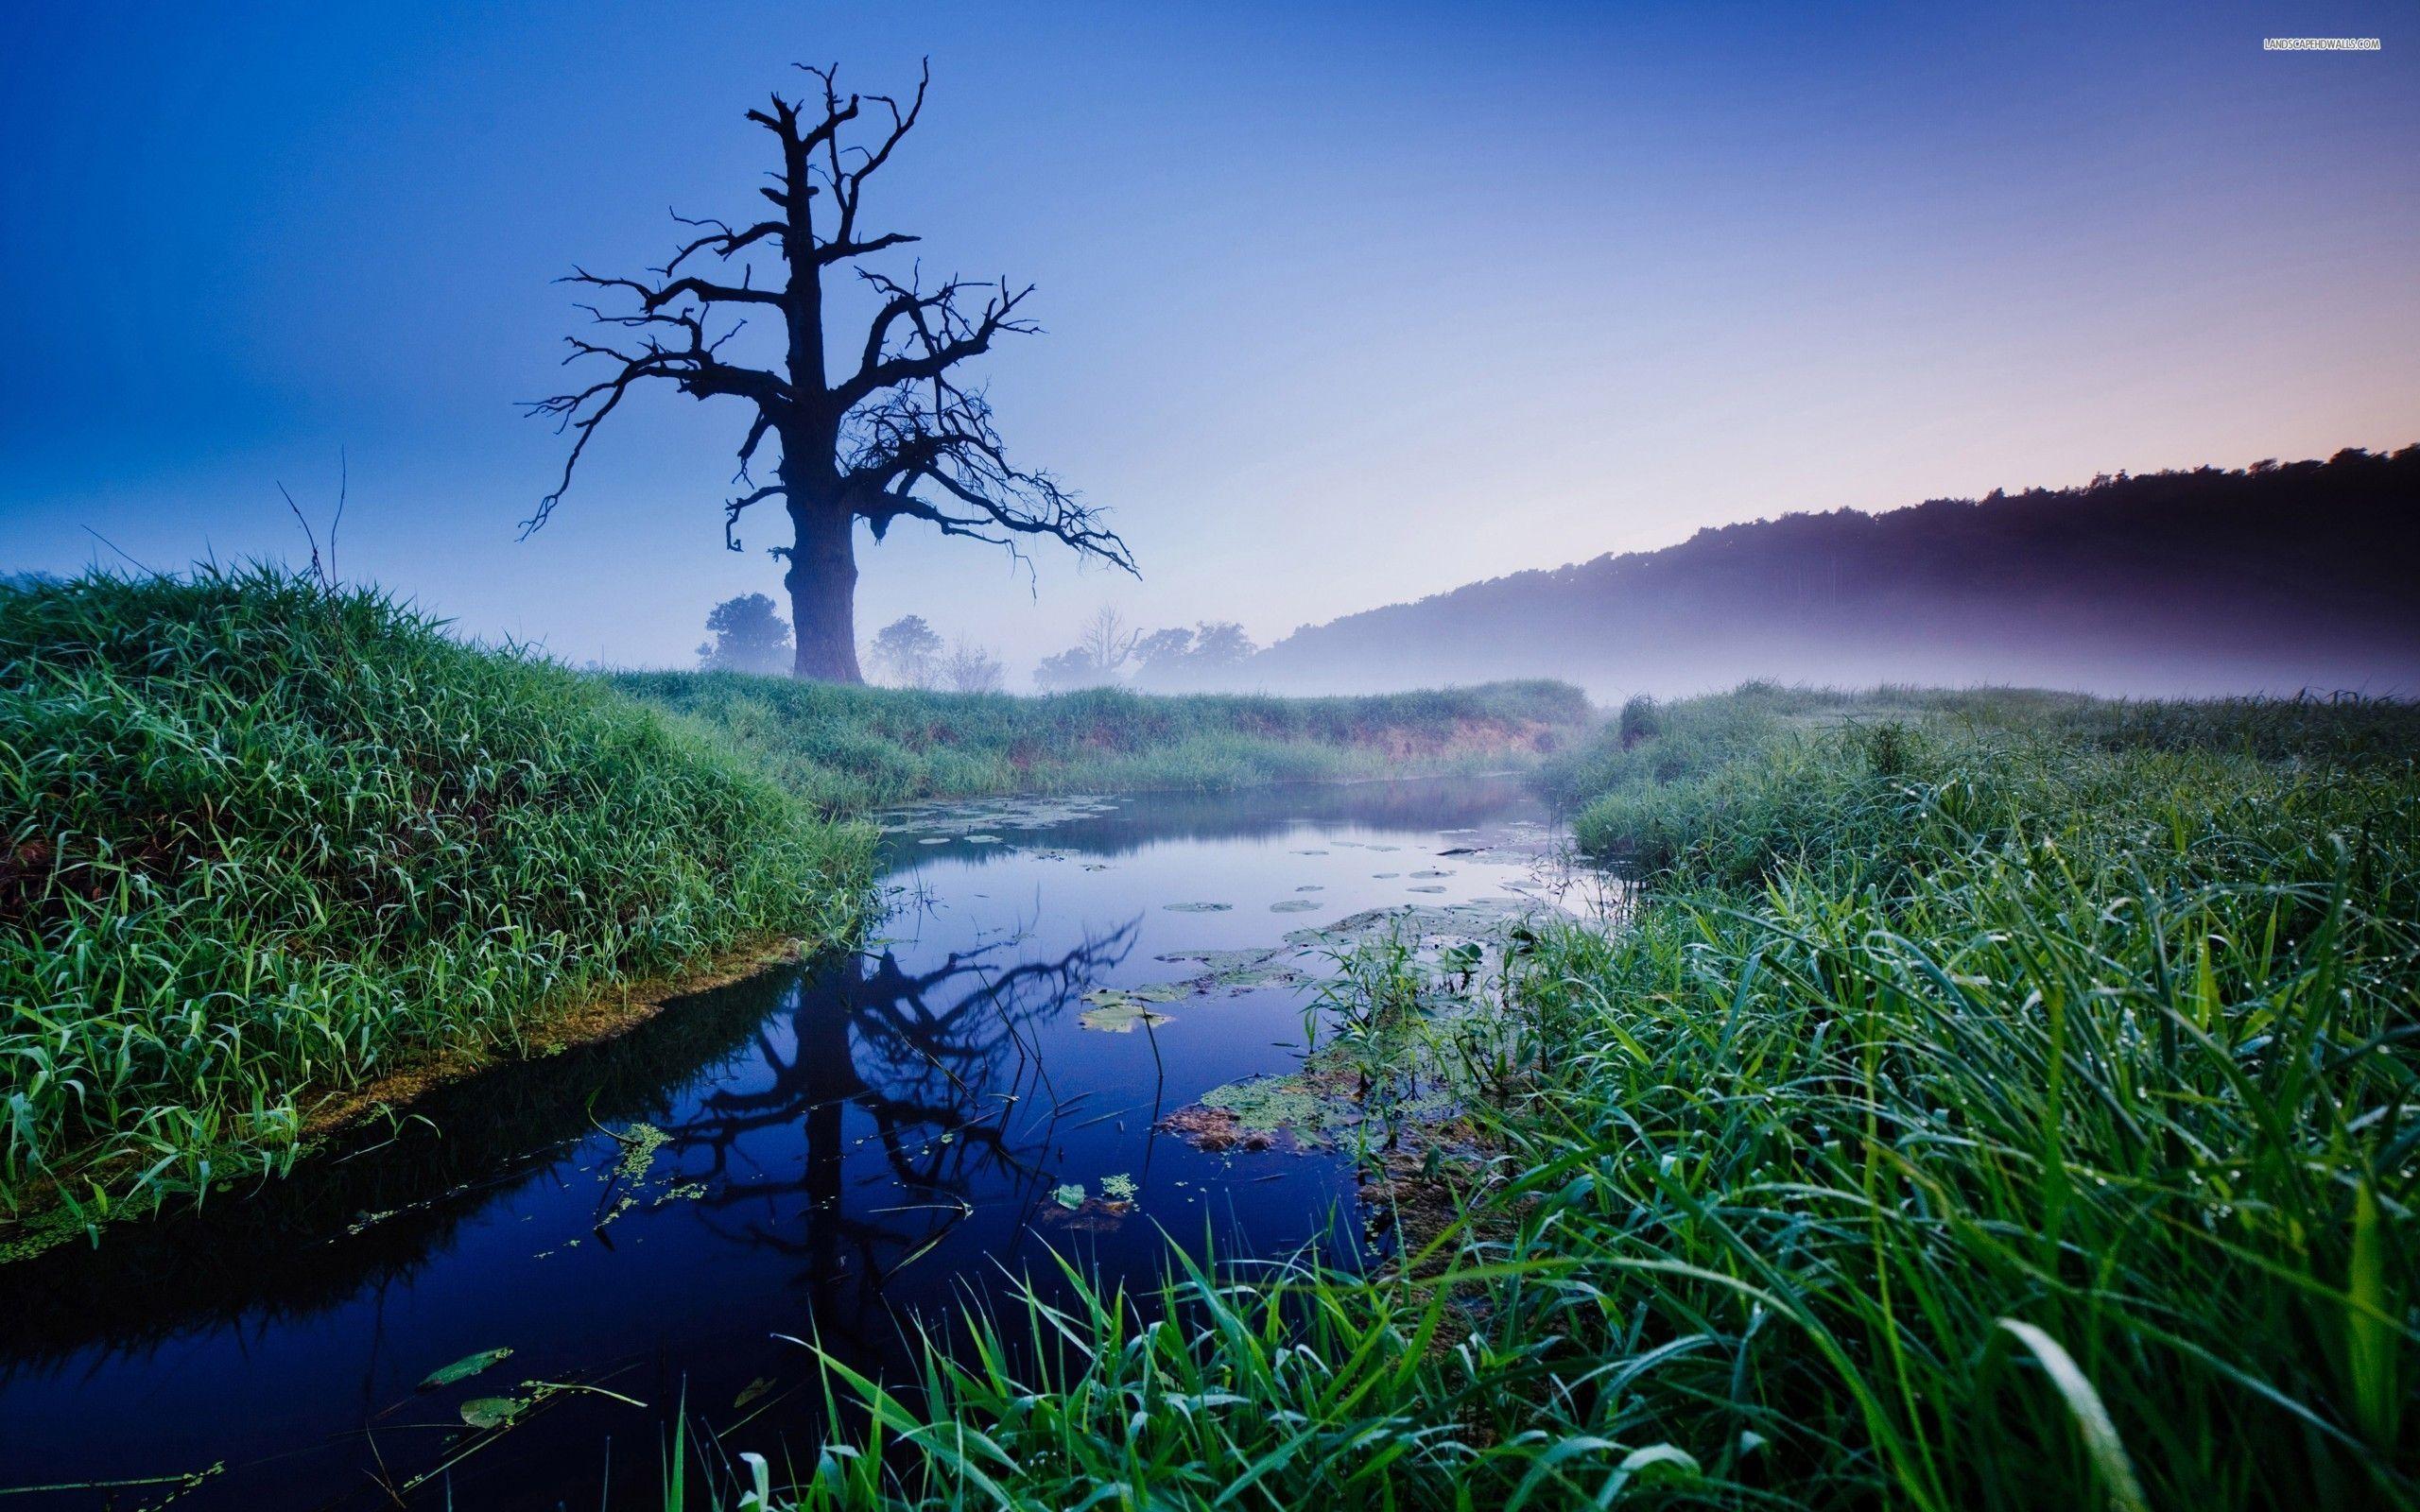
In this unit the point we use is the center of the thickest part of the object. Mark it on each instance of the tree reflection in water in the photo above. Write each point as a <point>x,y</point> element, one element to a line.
<point>946,1064</point>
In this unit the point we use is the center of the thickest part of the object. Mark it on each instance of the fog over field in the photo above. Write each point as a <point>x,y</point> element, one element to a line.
<point>2278,580</point>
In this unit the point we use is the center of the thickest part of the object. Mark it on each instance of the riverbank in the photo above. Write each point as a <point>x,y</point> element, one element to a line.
<point>1994,1100</point>
<point>270,844</point>
<point>849,750</point>
<point>280,855</point>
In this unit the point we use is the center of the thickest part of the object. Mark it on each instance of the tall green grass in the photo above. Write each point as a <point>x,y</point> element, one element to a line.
<point>1993,1103</point>
<point>850,749</point>
<point>267,841</point>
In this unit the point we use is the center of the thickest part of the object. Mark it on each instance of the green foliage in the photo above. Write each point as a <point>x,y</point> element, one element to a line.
<point>267,841</point>
<point>749,636</point>
<point>850,749</point>
<point>2009,1112</point>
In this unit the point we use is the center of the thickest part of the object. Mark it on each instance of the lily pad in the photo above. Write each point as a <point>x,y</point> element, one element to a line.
<point>1434,872</point>
<point>1293,905</point>
<point>464,1368</point>
<point>1197,908</point>
<point>1310,887</point>
<point>1119,1015</point>
<point>1070,1196</point>
<point>1148,992</point>
<point>1219,961</point>
<point>490,1412</point>
<point>1431,888</point>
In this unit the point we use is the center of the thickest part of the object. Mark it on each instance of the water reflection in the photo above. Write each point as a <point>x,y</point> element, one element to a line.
<point>847,1142</point>
<point>946,1062</point>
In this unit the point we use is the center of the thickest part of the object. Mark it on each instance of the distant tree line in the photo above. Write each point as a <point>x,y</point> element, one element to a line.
<point>1110,650</point>
<point>748,634</point>
<point>2276,576</point>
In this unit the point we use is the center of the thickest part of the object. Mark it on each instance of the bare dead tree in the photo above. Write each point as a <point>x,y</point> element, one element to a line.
<point>898,435</point>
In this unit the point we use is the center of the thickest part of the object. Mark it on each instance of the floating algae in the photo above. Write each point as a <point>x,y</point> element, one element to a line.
<point>1240,971</point>
<point>977,819</point>
<point>639,1143</point>
<point>1247,1114</point>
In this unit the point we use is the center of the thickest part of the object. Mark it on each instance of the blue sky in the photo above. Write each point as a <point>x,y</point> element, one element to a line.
<point>1344,303</point>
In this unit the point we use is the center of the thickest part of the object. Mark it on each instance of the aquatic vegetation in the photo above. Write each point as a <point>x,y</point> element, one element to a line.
<point>1119,1188</point>
<point>639,1143</point>
<point>2012,1112</point>
<point>1115,1012</point>
<point>464,1368</point>
<point>270,843</point>
<point>1265,1105</point>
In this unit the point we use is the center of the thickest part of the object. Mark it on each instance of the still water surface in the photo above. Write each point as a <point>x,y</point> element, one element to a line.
<point>844,1143</point>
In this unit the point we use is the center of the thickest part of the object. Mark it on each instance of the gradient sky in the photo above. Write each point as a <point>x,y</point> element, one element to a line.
<point>1345,304</point>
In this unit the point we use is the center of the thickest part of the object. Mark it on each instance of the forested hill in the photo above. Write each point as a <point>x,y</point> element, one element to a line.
<point>2276,577</point>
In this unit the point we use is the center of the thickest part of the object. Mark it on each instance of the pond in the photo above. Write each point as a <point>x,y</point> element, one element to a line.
<point>818,1152</point>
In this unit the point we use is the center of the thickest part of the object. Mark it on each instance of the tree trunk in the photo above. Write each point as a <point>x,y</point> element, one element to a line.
<point>822,581</point>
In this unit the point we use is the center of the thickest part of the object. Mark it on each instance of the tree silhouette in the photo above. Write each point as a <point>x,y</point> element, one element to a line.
<point>898,435</point>
<point>970,668</point>
<point>905,649</point>
<point>748,637</point>
<point>1179,656</point>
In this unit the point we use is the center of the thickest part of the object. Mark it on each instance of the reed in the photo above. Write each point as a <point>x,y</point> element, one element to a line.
<point>1995,1102</point>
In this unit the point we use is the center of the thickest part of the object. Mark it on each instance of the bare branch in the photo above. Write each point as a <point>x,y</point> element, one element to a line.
<point>734,508</point>
<point>903,436</point>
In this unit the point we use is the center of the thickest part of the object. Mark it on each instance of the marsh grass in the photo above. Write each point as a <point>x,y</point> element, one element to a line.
<point>852,749</point>
<point>269,841</point>
<point>2016,1111</point>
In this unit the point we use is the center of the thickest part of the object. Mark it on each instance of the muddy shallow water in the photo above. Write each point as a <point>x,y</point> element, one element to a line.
<point>817,1152</point>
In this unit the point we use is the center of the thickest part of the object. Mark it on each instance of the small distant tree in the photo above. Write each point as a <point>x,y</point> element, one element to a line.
<point>1219,645</point>
<point>969,668</point>
<point>1162,652</point>
<point>1109,641</point>
<point>1103,648</point>
<point>1071,668</point>
<point>749,636</point>
<point>1174,657</point>
<point>905,650</point>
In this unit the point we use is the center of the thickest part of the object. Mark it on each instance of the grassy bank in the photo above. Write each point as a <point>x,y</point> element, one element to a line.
<point>850,749</point>
<point>268,843</point>
<point>1997,1101</point>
